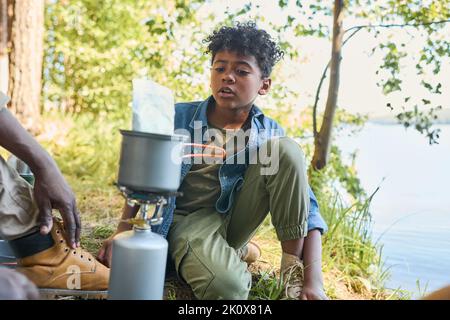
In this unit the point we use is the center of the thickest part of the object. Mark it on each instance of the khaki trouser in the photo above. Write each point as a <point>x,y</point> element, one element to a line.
<point>207,247</point>
<point>18,210</point>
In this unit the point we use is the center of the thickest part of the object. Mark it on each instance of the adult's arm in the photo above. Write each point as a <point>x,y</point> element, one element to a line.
<point>50,188</point>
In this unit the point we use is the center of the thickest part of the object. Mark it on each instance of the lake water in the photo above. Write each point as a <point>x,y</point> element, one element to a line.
<point>411,211</point>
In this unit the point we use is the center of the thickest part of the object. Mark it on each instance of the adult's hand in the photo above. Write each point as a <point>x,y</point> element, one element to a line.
<point>15,286</point>
<point>51,191</point>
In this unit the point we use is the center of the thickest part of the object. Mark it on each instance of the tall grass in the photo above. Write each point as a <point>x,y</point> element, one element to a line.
<point>348,245</point>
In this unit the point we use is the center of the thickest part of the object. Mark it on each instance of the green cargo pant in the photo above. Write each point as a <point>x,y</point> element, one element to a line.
<point>206,246</point>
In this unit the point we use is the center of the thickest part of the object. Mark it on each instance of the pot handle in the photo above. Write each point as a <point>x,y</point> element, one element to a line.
<point>204,146</point>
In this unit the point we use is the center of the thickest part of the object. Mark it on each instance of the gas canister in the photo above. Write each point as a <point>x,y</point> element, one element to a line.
<point>138,265</point>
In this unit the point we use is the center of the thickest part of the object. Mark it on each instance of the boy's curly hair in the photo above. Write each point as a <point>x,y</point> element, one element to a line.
<point>246,39</point>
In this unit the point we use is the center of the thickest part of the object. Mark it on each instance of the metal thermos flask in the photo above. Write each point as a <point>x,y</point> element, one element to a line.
<point>138,265</point>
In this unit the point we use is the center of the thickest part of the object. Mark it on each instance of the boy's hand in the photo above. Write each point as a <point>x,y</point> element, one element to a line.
<point>312,254</point>
<point>105,253</point>
<point>313,292</point>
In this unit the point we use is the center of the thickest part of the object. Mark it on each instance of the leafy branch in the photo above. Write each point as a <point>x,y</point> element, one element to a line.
<point>355,30</point>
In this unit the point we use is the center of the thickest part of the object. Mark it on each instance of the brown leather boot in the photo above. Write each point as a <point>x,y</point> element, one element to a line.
<point>61,267</point>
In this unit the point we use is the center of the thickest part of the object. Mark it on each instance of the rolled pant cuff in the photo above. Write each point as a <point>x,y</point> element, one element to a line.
<point>291,232</point>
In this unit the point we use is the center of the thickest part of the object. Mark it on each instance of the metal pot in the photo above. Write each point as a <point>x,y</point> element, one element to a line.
<point>150,162</point>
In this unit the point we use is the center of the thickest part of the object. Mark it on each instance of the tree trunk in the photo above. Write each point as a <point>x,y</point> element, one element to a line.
<point>25,61</point>
<point>5,42</point>
<point>322,141</point>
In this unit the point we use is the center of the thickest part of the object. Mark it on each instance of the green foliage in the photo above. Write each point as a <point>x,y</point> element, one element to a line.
<point>89,152</point>
<point>392,65</point>
<point>338,174</point>
<point>422,121</point>
<point>430,20</point>
<point>95,48</point>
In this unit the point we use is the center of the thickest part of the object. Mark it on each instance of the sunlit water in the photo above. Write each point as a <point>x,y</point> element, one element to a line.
<point>411,211</point>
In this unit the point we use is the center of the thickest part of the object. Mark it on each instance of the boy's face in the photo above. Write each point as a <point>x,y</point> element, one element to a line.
<point>236,80</point>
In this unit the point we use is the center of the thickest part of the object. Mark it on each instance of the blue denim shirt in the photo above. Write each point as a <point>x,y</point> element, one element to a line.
<point>192,115</point>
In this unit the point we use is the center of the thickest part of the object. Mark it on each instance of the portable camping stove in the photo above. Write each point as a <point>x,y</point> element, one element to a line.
<point>145,199</point>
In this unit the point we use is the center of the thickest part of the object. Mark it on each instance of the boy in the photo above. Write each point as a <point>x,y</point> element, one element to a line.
<point>224,203</point>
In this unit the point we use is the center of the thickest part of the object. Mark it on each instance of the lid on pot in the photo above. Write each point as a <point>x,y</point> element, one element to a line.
<point>174,137</point>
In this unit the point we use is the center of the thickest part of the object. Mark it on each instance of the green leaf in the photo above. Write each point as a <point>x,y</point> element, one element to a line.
<point>283,3</point>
